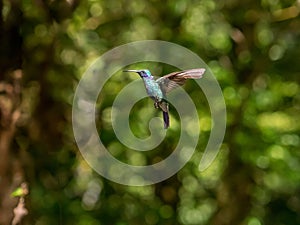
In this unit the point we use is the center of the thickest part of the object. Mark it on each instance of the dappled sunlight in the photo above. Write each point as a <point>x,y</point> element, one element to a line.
<point>279,121</point>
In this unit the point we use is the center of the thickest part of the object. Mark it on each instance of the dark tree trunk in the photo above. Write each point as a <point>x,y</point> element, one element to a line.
<point>11,172</point>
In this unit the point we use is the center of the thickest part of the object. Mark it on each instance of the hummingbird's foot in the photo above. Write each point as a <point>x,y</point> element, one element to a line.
<point>156,105</point>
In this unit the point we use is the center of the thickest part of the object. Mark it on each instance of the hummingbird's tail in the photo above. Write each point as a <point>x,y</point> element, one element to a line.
<point>166,119</point>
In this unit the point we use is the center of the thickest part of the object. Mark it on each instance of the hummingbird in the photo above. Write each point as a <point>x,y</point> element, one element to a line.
<point>157,89</point>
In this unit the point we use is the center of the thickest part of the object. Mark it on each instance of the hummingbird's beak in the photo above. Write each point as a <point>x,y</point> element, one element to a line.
<point>135,71</point>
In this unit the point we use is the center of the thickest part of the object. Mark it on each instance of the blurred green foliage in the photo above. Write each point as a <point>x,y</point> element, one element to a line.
<point>253,49</point>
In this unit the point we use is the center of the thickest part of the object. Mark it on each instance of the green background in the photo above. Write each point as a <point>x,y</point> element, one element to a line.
<point>253,49</point>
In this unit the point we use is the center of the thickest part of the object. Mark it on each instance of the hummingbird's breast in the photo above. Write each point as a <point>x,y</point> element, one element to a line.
<point>153,89</point>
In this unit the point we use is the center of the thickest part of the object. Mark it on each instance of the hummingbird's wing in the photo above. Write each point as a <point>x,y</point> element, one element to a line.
<point>173,80</point>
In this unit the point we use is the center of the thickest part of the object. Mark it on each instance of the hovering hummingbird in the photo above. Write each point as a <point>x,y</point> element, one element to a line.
<point>157,89</point>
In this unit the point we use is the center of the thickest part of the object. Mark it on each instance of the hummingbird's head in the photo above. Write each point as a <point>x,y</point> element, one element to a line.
<point>143,73</point>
